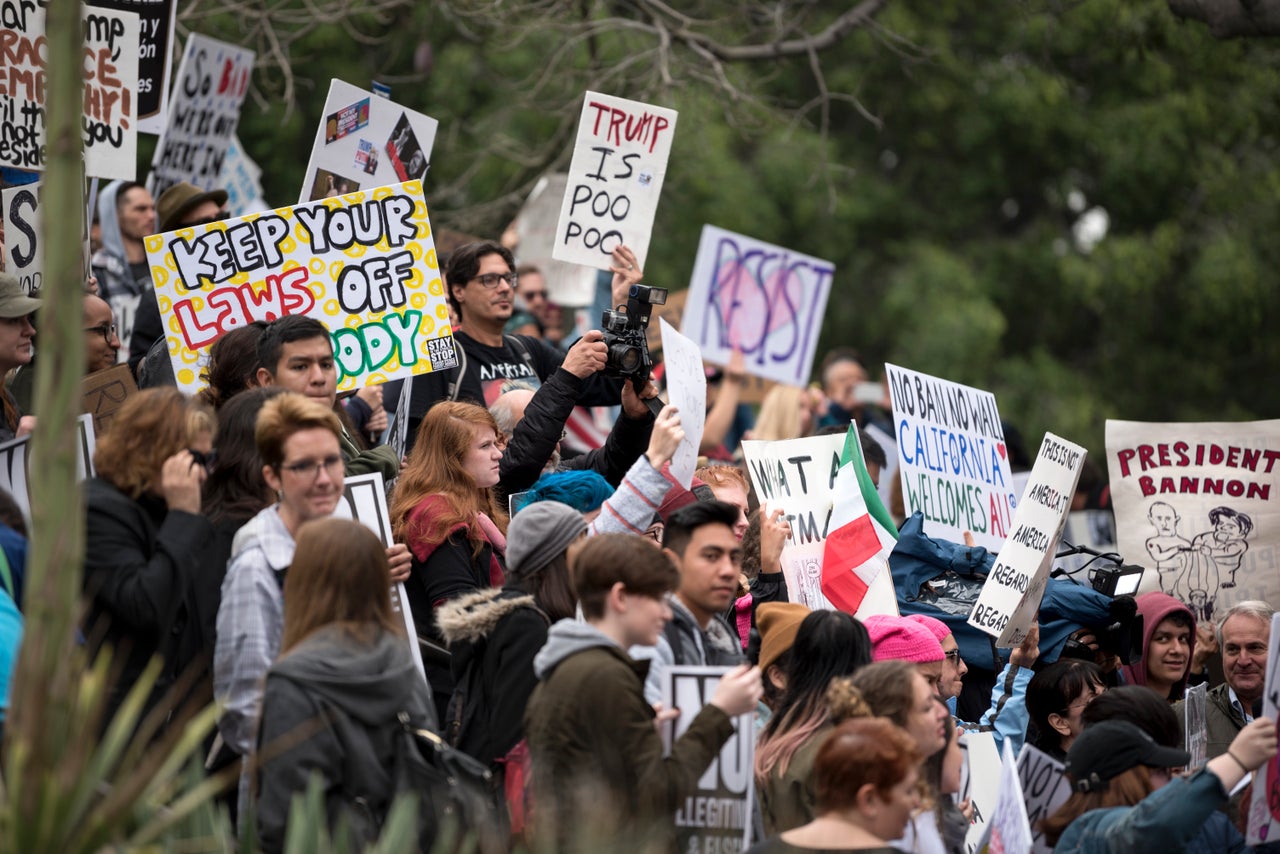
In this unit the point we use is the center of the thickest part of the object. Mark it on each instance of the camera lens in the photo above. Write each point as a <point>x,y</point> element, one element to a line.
<point>625,358</point>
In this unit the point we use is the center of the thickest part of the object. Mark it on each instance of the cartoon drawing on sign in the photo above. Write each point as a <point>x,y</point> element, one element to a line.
<point>1167,548</point>
<point>1225,545</point>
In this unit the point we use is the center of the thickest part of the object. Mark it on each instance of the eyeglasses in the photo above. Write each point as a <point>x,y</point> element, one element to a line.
<point>106,330</point>
<point>218,217</point>
<point>952,656</point>
<point>528,295</point>
<point>490,280</point>
<point>200,458</point>
<point>332,465</point>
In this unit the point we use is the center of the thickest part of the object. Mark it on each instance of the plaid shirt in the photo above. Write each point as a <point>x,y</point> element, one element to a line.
<point>250,624</point>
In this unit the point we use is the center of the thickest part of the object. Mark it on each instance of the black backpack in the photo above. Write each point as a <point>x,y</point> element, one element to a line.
<point>455,793</point>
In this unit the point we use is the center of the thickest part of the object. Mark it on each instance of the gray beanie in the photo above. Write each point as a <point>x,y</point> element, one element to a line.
<point>538,534</point>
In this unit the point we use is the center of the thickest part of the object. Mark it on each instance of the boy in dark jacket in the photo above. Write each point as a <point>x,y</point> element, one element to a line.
<point>600,780</point>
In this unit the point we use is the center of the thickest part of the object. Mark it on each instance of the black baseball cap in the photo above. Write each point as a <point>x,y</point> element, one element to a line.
<point>1109,748</point>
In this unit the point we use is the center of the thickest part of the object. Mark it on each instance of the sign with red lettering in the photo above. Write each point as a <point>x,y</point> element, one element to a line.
<point>762,299</point>
<point>109,128</point>
<point>1198,505</point>
<point>363,264</point>
<point>212,80</point>
<point>615,179</point>
<point>952,458</point>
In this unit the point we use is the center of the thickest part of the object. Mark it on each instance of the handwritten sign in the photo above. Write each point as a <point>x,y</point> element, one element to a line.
<point>1010,598</point>
<point>753,389</point>
<point>363,264</point>
<point>1196,734</point>
<point>981,783</point>
<point>109,127</point>
<point>717,817</point>
<point>365,141</point>
<point>952,458</point>
<point>799,476</point>
<point>615,180</point>
<point>365,500</point>
<point>23,252</point>
<point>1264,808</point>
<point>765,300</point>
<point>104,392</point>
<point>242,180</point>
<point>1045,787</point>
<point>1008,829</point>
<point>15,463</point>
<point>687,391</point>
<point>156,20</point>
<point>1199,506</point>
<point>567,284</point>
<point>203,112</point>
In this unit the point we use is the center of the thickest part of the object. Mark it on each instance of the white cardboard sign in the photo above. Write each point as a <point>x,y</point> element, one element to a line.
<point>687,391</point>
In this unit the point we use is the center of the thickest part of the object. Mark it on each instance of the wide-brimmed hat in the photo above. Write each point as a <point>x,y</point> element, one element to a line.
<point>14,301</point>
<point>177,201</point>
<point>1109,748</point>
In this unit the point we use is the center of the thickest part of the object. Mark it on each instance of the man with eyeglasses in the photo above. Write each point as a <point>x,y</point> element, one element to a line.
<point>101,341</point>
<point>481,285</point>
<point>181,206</point>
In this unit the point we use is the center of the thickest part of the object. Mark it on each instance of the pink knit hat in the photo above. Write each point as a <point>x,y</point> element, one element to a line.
<point>900,639</point>
<point>940,629</point>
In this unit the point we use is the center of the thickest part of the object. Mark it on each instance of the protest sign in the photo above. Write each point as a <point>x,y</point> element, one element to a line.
<point>717,817</point>
<point>687,391</point>
<point>155,56</point>
<point>364,499</point>
<point>1008,829</point>
<point>1045,787</point>
<point>753,388</point>
<point>104,392</point>
<point>953,461</point>
<point>363,264</point>
<point>1010,598</point>
<point>1198,505</point>
<point>15,463</point>
<point>1264,808</point>
<point>615,180</point>
<point>799,476</point>
<point>203,111</point>
<point>1195,733</point>
<point>109,126</point>
<point>567,284</point>
<point>242,180</point>
<point>365,141</point>
<point>23,254</point>
<point>765,300</point>
<point>397,435</point>
<point>981,783</point>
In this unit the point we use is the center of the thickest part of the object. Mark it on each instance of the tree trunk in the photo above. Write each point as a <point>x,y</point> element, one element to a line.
<point>1229,19</point>
<point>51,663</point>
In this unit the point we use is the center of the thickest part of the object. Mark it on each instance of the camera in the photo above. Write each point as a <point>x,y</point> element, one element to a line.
<point>624,335</point>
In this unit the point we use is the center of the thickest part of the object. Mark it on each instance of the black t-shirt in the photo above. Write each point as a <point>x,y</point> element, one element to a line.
<point>776,845</point>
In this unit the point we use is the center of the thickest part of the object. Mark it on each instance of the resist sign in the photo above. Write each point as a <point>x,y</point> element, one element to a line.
<point>765,300</point>
<point>615,178</point>
<point>364,265</point>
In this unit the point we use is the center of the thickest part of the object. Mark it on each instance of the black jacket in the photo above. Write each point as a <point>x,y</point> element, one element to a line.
<point>535,438</point>
<point>493,636</point>
<point>330,708</point>
<point>139,560</point>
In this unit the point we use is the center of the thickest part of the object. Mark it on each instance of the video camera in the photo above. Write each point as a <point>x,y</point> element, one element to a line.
<point>1122,634</point>
<point>624,335</point>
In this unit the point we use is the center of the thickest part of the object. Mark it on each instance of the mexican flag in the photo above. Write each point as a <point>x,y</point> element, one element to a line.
<point>862,532</point>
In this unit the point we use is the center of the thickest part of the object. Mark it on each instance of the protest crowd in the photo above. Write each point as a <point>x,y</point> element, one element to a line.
<point>572,586</point>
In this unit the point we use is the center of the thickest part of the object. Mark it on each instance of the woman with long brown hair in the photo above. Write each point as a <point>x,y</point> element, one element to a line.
<point>144,531</point>
<point>333,699</point>
<point>444,511</point>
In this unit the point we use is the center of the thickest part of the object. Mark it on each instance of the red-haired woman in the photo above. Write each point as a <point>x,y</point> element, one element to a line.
<point>444,511</point>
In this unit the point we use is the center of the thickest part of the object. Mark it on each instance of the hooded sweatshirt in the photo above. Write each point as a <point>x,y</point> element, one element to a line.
<point>331,705</point>
<point>120,285</point>
<point>592,740</point>
<point>1154,607</point>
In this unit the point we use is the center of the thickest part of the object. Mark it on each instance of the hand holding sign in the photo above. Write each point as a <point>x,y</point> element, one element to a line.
<point>666,437</point>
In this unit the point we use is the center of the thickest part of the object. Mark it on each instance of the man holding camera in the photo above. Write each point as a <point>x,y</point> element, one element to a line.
<point>481,283</point>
